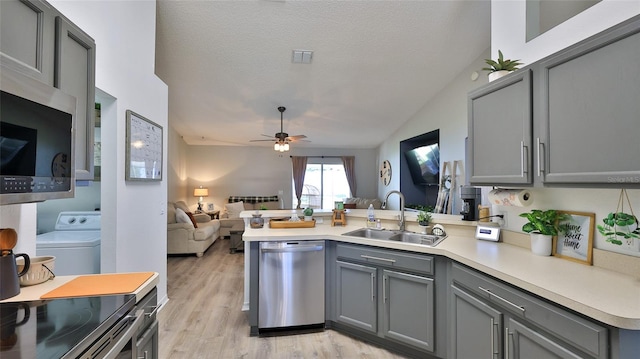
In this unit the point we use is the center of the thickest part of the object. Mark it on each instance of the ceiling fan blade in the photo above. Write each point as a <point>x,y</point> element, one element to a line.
<point>296,137</point>
<point>271,140</point>
<point>270,136</point>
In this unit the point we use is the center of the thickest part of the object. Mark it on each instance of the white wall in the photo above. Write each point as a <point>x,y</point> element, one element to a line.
<point>446,111</point>
<point>508,28</point>
<point>256,171</point>
<point>133,213</point>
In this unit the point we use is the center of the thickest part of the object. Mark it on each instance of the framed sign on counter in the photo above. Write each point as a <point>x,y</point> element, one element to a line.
<point>144,149</point>
<point>575,239</point>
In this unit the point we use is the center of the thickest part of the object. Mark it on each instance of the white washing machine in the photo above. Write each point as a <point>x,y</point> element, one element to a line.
<point>75,243</point>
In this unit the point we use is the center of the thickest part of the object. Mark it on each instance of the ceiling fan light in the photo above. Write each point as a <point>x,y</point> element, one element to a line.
<point>276,146</point>
<point>286,146</point>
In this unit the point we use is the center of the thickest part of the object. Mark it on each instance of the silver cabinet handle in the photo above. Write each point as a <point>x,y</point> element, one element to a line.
<point>506,343</point>
<point>493,339</point>
<point>378,258</point>
<point>373,280</point>
<point>523,152</point>
<point>128,335</point>
<point>146,355</point>
<point>539,158</point>
<point>384,288</point>
<point>491,294</point>
<point>155,310</point>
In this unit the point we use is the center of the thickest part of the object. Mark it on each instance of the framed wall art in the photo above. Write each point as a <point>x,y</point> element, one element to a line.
<point>143,149</point>
<point>575,240</point>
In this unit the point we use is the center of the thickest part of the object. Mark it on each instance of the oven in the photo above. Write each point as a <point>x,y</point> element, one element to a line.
<point>112,326</point>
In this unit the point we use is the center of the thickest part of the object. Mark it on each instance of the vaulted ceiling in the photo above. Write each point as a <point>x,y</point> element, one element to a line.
<point>228,65</point>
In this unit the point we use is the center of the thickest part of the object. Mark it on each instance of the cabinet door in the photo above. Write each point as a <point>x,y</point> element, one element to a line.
<point>522,342</point>
<point>476,328</point>
<point>147,344</point>
<point>356,296</point>
<point>590,106</point>
<point>408,308</point>
<point>75,75</point>
<point>27,38</point>
<point>500,125</point>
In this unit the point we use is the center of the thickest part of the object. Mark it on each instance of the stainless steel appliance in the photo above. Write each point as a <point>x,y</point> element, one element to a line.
<point>112,326</point>
<point>291,284</point>
<point>37,122</point>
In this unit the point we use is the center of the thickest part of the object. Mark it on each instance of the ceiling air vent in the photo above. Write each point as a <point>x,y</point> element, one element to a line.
<point>301,56</point>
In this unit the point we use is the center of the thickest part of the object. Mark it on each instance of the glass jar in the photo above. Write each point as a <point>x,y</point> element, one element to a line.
<point>256,221</point>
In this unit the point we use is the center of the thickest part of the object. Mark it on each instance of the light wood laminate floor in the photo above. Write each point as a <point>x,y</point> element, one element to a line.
<point>203,318</point>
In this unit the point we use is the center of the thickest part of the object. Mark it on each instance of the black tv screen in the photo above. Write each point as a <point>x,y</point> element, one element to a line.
<point>424,164</point>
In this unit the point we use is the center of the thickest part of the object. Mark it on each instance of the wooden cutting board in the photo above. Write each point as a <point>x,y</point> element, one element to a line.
<point>99,284</point>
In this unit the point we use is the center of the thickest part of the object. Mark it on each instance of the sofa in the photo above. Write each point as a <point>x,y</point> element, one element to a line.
<point>230,218</point>
<point>362,203</point>
<point>189,233</point>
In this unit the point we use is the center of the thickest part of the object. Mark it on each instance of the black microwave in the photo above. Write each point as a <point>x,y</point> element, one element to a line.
<point>36,140</point>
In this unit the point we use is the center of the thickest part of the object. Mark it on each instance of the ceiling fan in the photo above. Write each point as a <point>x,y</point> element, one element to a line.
<point>282,138</point>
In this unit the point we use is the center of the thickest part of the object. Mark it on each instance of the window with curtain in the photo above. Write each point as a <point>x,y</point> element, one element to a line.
<point>325,182</point>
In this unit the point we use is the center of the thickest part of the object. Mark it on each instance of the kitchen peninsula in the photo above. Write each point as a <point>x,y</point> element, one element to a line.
<point>604,303</point>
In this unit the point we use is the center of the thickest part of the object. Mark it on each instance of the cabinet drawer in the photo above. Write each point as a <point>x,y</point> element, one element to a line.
<point>577,331</point>
<point>389,258</point>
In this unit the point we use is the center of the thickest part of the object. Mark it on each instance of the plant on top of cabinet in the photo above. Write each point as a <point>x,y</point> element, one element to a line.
<point>500,67</point>
<point>542,226</point>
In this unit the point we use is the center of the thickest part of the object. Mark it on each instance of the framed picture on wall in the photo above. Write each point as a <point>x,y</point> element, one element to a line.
<point>143,149</point>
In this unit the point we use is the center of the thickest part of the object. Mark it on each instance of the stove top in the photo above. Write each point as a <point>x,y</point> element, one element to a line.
<point>51,328</point>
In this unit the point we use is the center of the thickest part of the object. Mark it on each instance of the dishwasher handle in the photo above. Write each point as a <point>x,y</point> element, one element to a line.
<point>291,249</point>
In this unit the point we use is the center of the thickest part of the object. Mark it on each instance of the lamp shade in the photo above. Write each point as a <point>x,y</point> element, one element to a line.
<point>201,192</point>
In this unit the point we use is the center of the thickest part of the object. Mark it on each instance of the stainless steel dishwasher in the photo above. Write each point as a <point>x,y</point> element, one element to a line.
<point>291,284</point>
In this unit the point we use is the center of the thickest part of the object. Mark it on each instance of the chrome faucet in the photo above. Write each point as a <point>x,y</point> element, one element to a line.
<point>384,206</point>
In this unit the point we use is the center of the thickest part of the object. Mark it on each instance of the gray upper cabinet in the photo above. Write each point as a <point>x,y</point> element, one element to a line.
<point>36,40</point>
<point>500,131</point>
<point>27,38</point>
<point>75,74</point>
<point>582,106</point>
<point>590,111</point>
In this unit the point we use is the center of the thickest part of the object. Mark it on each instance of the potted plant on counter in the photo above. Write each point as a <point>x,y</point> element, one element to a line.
<point>542,226</point>
<point>308,212</point>
<point>501,67</point>
<point>424,218</point>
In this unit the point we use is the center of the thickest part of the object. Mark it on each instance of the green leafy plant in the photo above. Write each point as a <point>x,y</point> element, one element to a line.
<point>424,218</point>
<point>543,222</point>
<point>308,212</point>
<point>501,64</point>
<point>619,224</point>
<point>263,207</point>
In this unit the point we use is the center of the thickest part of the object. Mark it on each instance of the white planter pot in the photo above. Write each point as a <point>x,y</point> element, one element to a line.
<point>541,244</point>
<point>308,218</point>
<point>497,74</point>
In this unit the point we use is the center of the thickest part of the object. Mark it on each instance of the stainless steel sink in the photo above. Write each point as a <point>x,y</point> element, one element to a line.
<point>419,238</point>
<point>400,236</point>
<point>371,233</point>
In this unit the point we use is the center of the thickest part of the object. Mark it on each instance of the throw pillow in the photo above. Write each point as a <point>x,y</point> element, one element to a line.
<point>182,217</point>
<point>193,220</point>
<point>183,206</point>
<point>234,209</point>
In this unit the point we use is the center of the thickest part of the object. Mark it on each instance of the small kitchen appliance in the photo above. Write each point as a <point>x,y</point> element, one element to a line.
<point>471,198</point>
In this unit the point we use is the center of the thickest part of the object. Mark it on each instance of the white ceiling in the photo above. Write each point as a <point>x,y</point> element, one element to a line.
<point>375,64</point>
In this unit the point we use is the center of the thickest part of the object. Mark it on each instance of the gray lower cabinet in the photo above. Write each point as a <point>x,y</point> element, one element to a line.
<point>408,308</point>
<point>387,294</point>
<point>495,320</point>
<point>356,296</point>
<point>38,41</point>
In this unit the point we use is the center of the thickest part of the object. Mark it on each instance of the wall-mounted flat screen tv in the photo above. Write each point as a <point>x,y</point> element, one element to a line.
<point>424,164</point>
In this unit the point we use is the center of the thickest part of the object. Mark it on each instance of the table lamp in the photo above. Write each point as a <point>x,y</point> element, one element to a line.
<point>200,192</point>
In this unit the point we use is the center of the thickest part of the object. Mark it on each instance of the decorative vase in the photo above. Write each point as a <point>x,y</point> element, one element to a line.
<point>497,74</point>
<point>426,229</point>
<point>256,221</point>
<point>541,244</point>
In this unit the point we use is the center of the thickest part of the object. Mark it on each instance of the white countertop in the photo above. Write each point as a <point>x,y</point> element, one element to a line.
<point>34,292</point>
<point>601,294</point>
